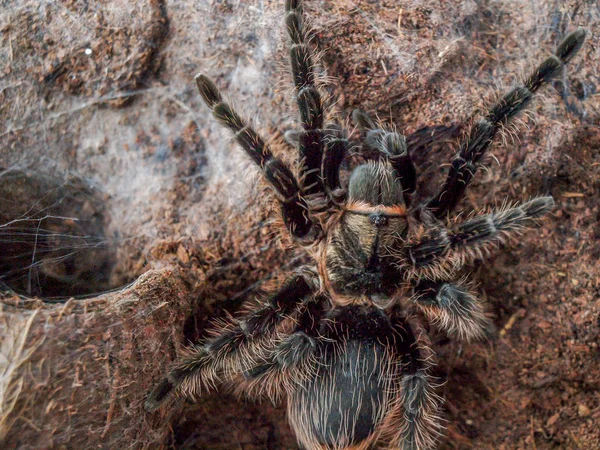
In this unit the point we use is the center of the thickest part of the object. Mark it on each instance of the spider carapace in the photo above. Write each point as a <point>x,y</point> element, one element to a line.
<point>339,340</point>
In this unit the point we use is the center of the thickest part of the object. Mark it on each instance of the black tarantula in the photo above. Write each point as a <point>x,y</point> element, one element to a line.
<point>338,339</point>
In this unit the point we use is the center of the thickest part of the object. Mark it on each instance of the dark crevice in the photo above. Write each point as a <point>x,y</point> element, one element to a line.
<point>53,237</point>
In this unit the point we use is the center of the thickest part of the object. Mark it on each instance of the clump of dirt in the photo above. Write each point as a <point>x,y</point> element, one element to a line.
<point>104,50</point>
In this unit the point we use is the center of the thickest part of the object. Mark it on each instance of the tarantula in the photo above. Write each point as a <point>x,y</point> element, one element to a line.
<point>338,340</point>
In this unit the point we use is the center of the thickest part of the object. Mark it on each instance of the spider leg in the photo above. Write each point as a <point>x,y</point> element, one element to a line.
<point>416,413</point>
<point>276,172</point>
<point>287,358</point>
<point>298,346</point>
<point>453,308</point>
<point>310,104</point>
<point>322,148</point>
<point>474,146</point>
<point>440,251</point>
<point>391,145</point>
<point>336,149</point>
<point>231,350</point>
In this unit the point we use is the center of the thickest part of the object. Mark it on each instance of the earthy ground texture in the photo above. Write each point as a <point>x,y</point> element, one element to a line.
<point>129,220</point>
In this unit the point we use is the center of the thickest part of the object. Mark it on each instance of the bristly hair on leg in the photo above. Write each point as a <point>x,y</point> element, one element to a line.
<point>417,420</point>
<point>422,425</point>
<point>482,133</point>
<point>439,252</point>
<point>452,308</point>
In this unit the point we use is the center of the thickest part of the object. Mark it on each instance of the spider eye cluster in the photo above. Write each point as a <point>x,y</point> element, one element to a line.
<point>379,219</point>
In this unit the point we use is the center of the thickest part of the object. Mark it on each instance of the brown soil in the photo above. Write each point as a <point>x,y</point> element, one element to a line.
<point>100,95</point>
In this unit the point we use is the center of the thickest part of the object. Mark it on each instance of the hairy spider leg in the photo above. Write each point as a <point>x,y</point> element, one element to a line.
<point>474,146</point>
<point>441,251</point>
<point>417,407</point>
<point>336,149</point>
<point>283,358</point>
<point>293,349</point>
<point>310,104</point>
<point>276,172</point>
<point>230,351</point>
<point>393,146</point>
<point>288,358</point>
<point>451,307</point>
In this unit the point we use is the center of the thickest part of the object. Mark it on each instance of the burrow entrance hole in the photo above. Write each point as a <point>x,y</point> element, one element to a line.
<point>54,238</point>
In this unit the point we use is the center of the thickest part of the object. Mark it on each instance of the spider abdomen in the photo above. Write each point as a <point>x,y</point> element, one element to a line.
<point>345,400</point>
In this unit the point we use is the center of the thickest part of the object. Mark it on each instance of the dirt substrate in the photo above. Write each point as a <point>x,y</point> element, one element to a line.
<point>114,179</point>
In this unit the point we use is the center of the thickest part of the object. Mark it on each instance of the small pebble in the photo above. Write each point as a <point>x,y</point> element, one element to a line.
<point>583,410</point>
<point>183,255</point>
